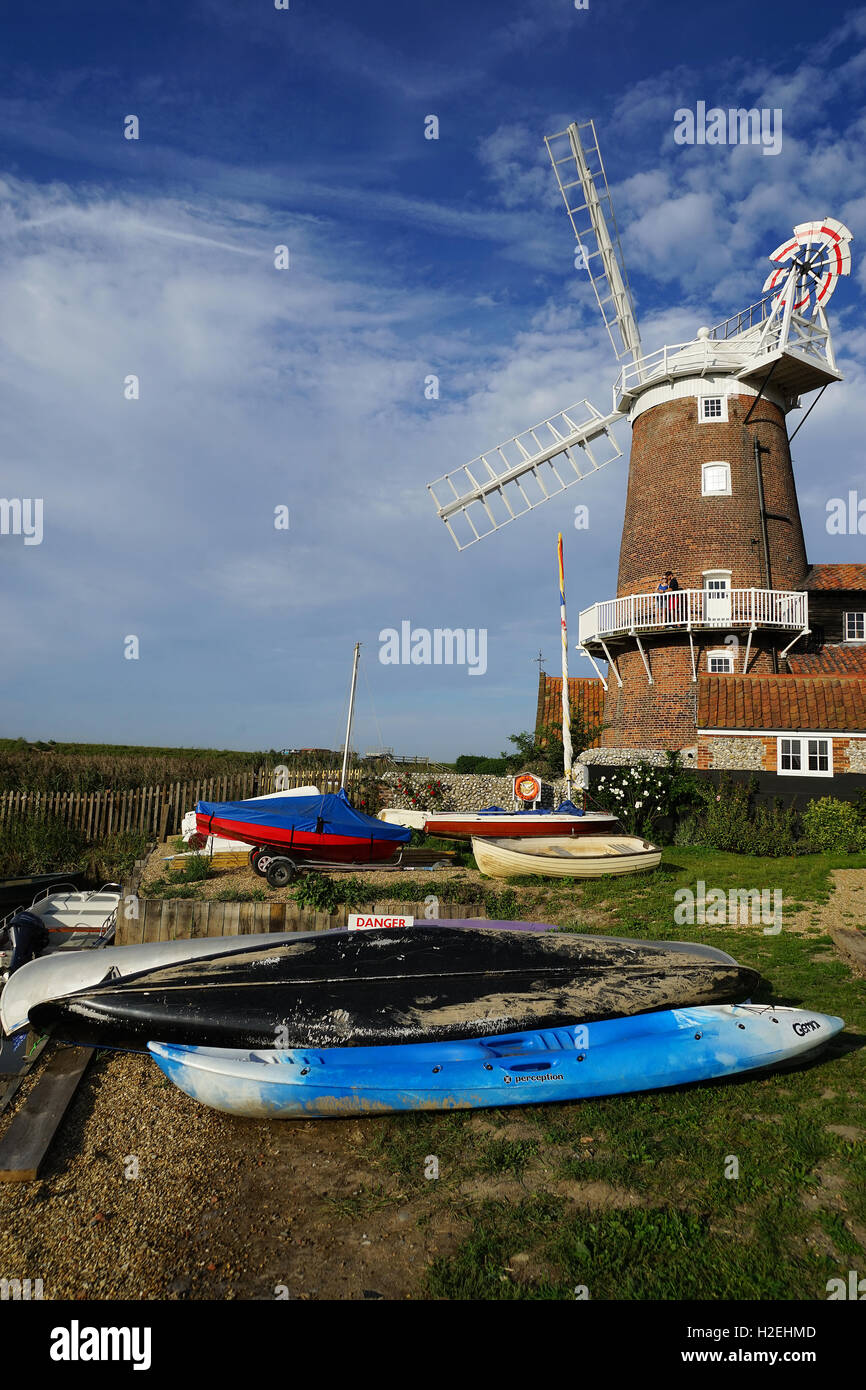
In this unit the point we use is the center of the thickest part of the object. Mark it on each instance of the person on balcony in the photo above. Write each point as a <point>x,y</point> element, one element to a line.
<point>662,599</point>
<point>673,587</point>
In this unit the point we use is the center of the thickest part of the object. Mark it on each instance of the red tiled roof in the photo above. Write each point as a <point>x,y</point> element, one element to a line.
<point>586,696</point>
<point>836,577</point>
<point>782,702</point>
<point>833,659</point>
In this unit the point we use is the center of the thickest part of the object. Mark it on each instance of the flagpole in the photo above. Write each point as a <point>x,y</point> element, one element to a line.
<point>567,751</point>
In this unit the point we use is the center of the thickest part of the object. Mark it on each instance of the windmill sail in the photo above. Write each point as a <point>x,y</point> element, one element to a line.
<point>579,170</point>
<point>528,469</point>
<point>567,750</point>
<point>503,484</point>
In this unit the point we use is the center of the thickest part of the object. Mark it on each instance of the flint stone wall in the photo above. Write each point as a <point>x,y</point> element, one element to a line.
<point>629,757</point>
<point>462,791</point>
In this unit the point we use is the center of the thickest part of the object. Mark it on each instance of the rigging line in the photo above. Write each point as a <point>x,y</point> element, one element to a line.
<point>373,709</point>
<point>339,740</point>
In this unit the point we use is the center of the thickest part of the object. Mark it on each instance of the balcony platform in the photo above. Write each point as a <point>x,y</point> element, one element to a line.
<point>619,622</point>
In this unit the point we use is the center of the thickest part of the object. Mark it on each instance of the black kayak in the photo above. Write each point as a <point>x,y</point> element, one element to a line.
<point>393,986</point>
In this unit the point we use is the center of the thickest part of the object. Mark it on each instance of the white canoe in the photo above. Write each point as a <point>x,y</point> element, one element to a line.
<point>587,856</point>
<point>412,820</point>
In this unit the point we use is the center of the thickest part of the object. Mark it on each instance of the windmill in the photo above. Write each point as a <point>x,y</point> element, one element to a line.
<point>711,492</point>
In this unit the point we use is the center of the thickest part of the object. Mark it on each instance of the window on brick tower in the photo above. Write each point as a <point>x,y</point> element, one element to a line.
<point>720,663</point>
<point>716,480</point>
<point>712,408</point>
<point>855,627</point>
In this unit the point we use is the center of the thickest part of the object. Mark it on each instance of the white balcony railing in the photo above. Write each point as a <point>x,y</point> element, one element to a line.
<point>690,609</point>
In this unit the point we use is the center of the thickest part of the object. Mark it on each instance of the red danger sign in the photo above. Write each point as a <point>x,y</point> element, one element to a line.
<point>359,922</point>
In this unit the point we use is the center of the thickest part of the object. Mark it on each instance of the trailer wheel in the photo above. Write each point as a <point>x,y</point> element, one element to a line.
<point>280,871</point>
<point>259,861</point>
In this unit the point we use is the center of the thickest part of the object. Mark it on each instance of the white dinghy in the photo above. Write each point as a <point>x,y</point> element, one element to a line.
<point>586,856</point>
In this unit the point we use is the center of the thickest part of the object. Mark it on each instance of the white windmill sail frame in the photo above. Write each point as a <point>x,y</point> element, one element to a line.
<point>529,468</point>
<point>593,222</point>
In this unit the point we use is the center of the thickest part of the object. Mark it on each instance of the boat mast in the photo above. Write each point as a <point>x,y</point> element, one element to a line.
<point>567,751</point>
<point>351,715</point>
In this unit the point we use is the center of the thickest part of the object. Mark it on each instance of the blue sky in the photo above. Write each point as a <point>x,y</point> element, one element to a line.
<point>305,388</point>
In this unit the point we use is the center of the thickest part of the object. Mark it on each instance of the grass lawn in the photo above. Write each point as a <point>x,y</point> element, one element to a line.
<point>629,1197</point>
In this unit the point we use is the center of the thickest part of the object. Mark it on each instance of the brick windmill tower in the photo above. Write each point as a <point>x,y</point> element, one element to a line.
<point>711,492</point>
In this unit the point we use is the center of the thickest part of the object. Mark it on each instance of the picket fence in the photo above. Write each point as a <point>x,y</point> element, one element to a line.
<point>157,810</point>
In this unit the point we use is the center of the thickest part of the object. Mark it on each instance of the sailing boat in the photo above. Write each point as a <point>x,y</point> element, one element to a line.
<point>287,833</point>
<point>494,822</point>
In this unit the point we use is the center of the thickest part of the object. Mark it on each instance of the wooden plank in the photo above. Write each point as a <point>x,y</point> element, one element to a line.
<point>37,1048</point>
<point>151,910</point>
<point>200,913</point>
<point>28,1138</point>
<point>216,919</point>
<point>850,942</point>
<point>13,1056</point>
<point>183,919</point>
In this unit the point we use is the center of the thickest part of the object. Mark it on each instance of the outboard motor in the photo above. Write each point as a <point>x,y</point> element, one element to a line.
<point>22,939</point>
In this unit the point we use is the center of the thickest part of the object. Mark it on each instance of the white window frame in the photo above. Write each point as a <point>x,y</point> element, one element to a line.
<point>712,419</point>
<point>728,656</point>
<point>803,741</point>
<point>716,491</point>
<point>716,574</point>
<point>854,613</point>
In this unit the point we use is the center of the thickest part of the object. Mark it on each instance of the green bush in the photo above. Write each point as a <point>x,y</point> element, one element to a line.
<point>728,821</point>
<point>36,845</point>
<point>471,762</point>
<point>323,894</point>
<point>723,820</point>
<point>195,869</point>
<point>774,831</point>
<point>831,824</point>
<point>111,859</point>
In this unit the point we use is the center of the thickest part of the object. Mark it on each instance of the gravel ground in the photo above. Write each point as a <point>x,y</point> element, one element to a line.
<point>221,1208</point>
<point>243,879</point>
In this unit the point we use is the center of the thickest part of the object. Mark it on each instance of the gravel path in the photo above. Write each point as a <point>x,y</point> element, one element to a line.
<point>147,1195</point>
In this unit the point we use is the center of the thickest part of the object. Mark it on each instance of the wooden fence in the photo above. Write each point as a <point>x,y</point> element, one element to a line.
<point>159,809</point>
<point>173,919</point>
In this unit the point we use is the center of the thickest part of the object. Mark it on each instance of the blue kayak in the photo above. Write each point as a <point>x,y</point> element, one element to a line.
<point>641,1053</point>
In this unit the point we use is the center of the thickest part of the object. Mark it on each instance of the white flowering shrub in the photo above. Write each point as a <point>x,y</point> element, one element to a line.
<point>643,795</point>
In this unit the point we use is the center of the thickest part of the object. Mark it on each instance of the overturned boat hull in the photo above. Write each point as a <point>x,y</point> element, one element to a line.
<point>397,986</point>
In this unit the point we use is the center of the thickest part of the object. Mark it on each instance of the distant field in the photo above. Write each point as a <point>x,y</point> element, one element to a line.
<point>91,767</point>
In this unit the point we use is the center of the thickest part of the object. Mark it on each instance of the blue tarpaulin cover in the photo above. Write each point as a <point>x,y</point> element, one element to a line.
<point>570,808</point>
<point>328,815</point>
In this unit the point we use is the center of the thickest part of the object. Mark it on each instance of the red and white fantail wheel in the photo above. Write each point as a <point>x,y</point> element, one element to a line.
<point>816,255</point>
